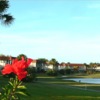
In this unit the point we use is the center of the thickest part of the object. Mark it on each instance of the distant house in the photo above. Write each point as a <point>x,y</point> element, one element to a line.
<point>5,60</point>
<point>8,60</point>
<point>47,67</point>
<point>61,66</point>
<point>97,68</point>
<point>79,67</point>
<point>33,63</point>
<point>72,66</point>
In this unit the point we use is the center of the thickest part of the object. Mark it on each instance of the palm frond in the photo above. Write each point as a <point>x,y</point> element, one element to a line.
<point>3,5</point>
<point>7,19</point>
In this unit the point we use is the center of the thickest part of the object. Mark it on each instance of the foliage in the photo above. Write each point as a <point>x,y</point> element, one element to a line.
<point>12,90</point>
<point>62,71</point>
<point>52,72</point>
<point>31,76</point>
<point>41,62</point>
<point>19,57</point>
<point>55,63</point>
<point>5,18</point>
<point>65,71</point>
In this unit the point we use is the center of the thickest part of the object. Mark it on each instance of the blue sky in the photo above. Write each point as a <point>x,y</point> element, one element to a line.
<point>67,30</point>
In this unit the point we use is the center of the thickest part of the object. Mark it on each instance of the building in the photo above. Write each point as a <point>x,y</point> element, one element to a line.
<point>33,63</point>
<point>5,60</point>
<point>72,66</point>
<point>8,60</point>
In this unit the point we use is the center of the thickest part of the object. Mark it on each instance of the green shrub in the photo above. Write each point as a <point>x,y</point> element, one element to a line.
<point>31,75</point>
<point>62,71</point>
<point>11,75</point>
<point>69,71</point>
<point>52,73</point>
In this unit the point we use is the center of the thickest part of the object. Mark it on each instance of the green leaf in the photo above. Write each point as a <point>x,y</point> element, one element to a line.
<point>11,83</point>
<point>21,93</point>
<point>21,87</point>
<point>15,97</point>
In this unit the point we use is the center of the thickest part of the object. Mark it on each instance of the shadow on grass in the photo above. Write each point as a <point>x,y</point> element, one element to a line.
<point>71,83</point>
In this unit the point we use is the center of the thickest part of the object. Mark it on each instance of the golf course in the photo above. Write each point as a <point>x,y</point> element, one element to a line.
<point>56,88</point>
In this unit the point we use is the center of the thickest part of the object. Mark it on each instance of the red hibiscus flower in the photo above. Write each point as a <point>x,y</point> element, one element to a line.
<point>17,67</point>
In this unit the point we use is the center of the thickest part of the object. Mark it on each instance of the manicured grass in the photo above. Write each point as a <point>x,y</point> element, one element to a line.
<point>54,88</point>
<point>43,91</point>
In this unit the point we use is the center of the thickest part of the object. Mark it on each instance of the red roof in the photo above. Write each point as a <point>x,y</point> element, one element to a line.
<point>71,64</point>
<point>4,58</point>
<point>75,64</point>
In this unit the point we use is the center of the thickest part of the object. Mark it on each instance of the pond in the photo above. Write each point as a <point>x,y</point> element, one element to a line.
<point>86,80</point>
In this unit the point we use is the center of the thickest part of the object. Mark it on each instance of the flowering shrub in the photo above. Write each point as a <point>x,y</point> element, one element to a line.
<point>15,87</point>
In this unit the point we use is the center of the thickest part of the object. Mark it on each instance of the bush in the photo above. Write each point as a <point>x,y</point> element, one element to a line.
<point>68,71</point>
<point>40,70</point>
<point>62,71</point>
<point>31,75</point>
<point>52,73</point>
<point>11,75</point>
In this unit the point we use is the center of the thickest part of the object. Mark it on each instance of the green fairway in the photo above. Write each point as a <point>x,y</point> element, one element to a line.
<point>42,91</point>
<point>54,88</point>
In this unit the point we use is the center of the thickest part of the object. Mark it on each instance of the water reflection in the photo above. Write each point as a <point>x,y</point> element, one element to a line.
<point>86,80</point>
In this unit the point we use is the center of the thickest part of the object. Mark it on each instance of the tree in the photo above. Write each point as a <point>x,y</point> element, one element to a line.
<point>19,57</point>
<point>41,63</point>
<point>4,17</point>
<point>55,63</point>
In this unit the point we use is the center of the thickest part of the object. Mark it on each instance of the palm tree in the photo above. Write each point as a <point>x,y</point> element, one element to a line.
<point>4,17</point>
<point>41,64</point>
<point>19,57</point>
<point>55,63</point>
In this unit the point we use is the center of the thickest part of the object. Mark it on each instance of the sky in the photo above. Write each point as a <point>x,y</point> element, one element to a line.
<point>67,30</point>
